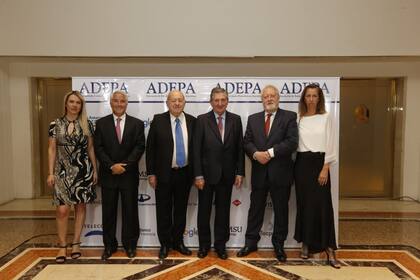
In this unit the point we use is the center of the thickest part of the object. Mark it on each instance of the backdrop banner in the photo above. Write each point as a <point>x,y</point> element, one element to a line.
<point>147,96</point>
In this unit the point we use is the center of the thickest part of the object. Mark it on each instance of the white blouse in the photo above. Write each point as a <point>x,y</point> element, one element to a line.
<point>316,134</point>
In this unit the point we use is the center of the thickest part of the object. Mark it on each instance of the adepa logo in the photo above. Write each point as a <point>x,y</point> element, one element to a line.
<point>143,197</point>
<point>94,230</point>
<point>236,202</point>
<point>100,87</point>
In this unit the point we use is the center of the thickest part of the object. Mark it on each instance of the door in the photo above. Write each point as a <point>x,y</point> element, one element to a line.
<point>366,137</point>
<point>50,97</point>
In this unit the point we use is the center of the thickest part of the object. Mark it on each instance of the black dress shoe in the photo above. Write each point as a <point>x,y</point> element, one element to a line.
<point>245,251</point>
<point>182,249</point>
<point>131,253</point>
<point>107,253</point>
<point>163,252</point>
<point>202,252</point>
<point>280,254</point>
<point>222,254</point>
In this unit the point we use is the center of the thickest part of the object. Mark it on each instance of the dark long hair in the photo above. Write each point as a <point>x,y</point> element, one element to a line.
<point>320,107</point>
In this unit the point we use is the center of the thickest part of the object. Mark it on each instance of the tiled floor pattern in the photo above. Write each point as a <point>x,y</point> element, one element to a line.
<point>36,261</point>
<point>370,234</point>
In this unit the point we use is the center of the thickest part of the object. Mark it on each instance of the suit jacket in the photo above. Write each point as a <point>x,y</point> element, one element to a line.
<point>283,138</point>
<point>160,146</point>
<point>109,151</point>
<point>214,158</point>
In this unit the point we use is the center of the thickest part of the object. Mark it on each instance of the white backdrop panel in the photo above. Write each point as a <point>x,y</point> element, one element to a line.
<point>147,97</point>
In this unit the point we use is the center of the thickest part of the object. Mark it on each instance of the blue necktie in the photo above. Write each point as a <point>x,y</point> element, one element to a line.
<point>179,144</point>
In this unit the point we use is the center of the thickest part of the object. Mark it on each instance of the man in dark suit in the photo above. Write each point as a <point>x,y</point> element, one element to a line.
<point>169,170</point>
<point>218,165</point>
<point>119,145</point>
<point>270,139</point>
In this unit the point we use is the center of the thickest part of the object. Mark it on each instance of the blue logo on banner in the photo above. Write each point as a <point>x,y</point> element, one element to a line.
<point>101,87</point>
<point>143,197</point>
<point>93,232</point>
<point>240,87</point>
<point>297,87</point>
<point>164,87</point>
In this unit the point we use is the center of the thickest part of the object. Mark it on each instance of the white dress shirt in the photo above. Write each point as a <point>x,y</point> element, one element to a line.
<point>273,115</point>
<point>122,123</point>
<point>183,123</point>
<point>223,123</point>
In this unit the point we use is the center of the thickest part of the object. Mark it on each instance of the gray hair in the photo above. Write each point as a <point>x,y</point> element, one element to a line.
<point>172,92</point>
<point>119,92</point>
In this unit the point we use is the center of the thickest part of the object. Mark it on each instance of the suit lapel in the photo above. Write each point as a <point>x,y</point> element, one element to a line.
<point>189,127</point>
<point>261,121</point>
<point>127,124</point>
<point>276,121</point>
<point>228,126</point>
<point>168,128</point>
<point>213,124</point>
<point>111,125</point>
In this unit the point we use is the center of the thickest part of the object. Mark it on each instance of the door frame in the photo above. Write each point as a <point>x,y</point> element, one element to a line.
<point>38,90</point>
<point>396,96</point>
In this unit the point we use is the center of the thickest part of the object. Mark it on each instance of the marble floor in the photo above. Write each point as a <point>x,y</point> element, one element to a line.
<point>378,239</point>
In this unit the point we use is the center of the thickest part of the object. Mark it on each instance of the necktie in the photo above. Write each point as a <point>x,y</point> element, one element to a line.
<point>220,125</point>
<point>118,130</point>
<point>179,144</point>
<point>267,124</point>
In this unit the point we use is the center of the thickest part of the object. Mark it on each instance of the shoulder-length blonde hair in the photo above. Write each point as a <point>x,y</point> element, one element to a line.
<point>320,107</point>
<point>82,118</point>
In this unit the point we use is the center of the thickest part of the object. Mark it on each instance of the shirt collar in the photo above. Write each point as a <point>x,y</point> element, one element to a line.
<point>272,114</point>
<point>122,117</point>
<point>222,115</point>
<point>181,117</point>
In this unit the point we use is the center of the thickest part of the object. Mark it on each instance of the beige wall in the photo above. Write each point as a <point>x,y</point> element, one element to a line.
<point>21,135</point>
<point>411,148</point>
<point>229,28</point>
<point>21,70</point>
<point>6,163</point>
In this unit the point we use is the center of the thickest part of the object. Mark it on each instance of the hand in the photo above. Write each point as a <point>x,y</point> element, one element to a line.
<point>95,177</point>
<point>199,183</point>
<point>323,176</point>
<point>238,181</point>
<point>118,168</point>
<point>262,157</point>
<point>152,181</point>
<point>51,181</point>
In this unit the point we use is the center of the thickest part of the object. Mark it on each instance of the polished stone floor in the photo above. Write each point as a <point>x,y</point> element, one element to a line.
<point>378,239</point>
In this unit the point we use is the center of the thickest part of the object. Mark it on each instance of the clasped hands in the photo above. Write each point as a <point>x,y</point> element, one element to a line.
<point>262,157</point>
<point>118,168</point>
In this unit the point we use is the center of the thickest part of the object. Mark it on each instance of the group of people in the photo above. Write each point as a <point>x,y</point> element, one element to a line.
<point>207,152</point>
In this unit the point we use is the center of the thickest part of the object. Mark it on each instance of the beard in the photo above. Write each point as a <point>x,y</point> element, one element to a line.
<point>271,107</point>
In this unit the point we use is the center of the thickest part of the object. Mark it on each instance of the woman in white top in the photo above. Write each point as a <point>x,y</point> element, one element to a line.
<point>316,151</point>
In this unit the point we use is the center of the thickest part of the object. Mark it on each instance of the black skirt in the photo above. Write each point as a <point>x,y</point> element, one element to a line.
<point>315,214</point>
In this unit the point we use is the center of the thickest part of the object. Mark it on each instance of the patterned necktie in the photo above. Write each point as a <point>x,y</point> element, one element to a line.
<point>179,144</point>
<point>220,125</point>
<point>118,130</point>
<point>267,124</point>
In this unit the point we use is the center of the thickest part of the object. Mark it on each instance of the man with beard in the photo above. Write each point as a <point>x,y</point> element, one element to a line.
<point>270,139</point>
